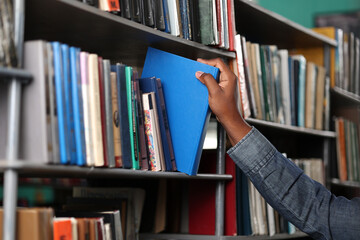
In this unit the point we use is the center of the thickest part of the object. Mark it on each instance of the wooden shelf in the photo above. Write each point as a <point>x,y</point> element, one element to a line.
<point>292,129</point>
<point>28,169</point>
<point>337,182</point>
<point>106,34</point>
<point>262,26</point>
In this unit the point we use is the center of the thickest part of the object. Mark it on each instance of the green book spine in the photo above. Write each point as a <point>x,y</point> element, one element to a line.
<point>128,73</point>
<point>264,82</point>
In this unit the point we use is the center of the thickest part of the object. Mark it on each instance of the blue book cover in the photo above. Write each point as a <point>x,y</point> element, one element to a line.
<point>123,112</point>
<point>77,104</point>
<point>69,115</point>
<point>243,204</point>
<point>60,104</point>
<point>149,85</point>
<point>186,101</point>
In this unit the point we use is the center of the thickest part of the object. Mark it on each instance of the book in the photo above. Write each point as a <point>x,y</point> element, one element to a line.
<point>84,56</point>
<point>319,98</point>
<point>63,228</point>
<point>309,98</point>
<point>285,84</point>
<point>131,110</point>
<point>123,114</point>
<point>151,85</point>
<point>173,17</point>
<point>116,121</point>
<point>140,125</point>
<point>64,147</point>
<point>70,138</point>
<point>109,110</point>
<point>102,111</point>
<point>189,117</point>
<point>77,103</point>
<point>300,84</point>
<point>31,223</point>
<point>95,110</point>
<point>158,10</point>
<point>150,124</point>
<point>125,9</point>
<point>206,22</point>
<point>35,120</point>
<point>230,221</point>
<point>340,149</point>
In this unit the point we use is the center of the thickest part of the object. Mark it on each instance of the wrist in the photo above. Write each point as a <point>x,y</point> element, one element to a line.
<point>235,126</point>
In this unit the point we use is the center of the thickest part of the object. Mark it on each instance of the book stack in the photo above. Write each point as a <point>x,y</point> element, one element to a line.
<point>345,65</point>
<point>347,149</point>
<point>210,22</point>
<point>84,111</point>
<point>278,87</point>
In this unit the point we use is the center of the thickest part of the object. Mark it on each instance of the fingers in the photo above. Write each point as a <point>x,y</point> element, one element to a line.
<point>209,82</point>
<point>216,62</point>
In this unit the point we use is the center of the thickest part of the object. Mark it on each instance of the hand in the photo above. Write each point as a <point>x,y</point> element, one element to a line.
<point>222,99</point>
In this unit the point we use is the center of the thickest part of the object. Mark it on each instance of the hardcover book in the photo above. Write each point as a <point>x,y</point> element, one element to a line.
<point>186,101</point>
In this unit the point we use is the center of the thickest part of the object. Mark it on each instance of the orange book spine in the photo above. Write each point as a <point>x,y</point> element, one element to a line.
<point>62,229</point>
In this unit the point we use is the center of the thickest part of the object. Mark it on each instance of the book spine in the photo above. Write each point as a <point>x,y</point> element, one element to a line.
<point>115,121</point>
<point>95,110</point>
<point>68,103</point>
<point>60,105</point>
<point>135,120</point>
<point>150,131</point>
<point>142,138</point>
<point>77,106</point>
<point>129,94</point>
<point>85,94</point>
<point>166,124</point>
<point>108,113</point>
<point>103,111</point>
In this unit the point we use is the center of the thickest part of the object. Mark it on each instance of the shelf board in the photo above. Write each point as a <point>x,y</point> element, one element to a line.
<point>345,97</point>
<point>337,182</point>
<point>262,26</point>
<point>27,169</point>
<point>293,129</point>
<point>106,34</point>
<point>297,235</point>
<point>7,74</point>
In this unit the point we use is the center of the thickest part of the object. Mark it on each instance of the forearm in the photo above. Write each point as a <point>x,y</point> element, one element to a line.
<point>235,127</point>
<point>285,187</point>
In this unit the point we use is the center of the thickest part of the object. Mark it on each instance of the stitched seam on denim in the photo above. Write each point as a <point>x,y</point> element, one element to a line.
<point>252,131</point>
<point>264,161</point>
<point>287,207</point>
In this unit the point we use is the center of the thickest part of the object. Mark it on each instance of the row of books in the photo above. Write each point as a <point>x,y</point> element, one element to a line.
<point>94,111</point>
<point>347,148</point>
<point>8,57</point>
<point>210,22</point>
<point>279,87</point>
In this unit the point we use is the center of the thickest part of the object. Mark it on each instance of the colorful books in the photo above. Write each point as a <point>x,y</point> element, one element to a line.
<point>186,103</point>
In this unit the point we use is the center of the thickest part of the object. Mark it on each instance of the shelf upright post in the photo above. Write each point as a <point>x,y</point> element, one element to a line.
<point>220,185</point>
<point>14,98</point>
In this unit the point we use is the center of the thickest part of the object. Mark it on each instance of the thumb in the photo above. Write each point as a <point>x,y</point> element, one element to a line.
<point>209,82</point>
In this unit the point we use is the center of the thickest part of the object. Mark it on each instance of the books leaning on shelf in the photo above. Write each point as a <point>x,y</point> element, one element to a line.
<point>83,111</point>
<point>347,149</point>
<point>210,22</point>
<point>275,86</point>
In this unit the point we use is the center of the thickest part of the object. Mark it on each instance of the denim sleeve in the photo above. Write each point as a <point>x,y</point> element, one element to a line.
<point>299,199</point>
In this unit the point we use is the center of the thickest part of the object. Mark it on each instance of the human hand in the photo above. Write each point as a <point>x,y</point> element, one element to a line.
<point>222,99</point>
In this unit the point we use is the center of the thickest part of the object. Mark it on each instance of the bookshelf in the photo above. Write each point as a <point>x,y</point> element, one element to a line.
<point>120,39</point>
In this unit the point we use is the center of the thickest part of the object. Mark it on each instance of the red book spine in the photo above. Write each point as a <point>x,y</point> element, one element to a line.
<point>230,225</point>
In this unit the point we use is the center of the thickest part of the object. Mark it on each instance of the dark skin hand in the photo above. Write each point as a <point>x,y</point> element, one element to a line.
<point>222,99</point>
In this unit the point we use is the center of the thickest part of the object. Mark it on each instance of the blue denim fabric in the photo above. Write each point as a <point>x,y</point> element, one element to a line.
<point>299,199</point>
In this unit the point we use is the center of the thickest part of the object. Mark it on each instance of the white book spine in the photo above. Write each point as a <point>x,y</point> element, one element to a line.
<point>95,113</point>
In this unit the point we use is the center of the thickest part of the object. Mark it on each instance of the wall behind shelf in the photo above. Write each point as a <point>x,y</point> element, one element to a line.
<point>304,11</point>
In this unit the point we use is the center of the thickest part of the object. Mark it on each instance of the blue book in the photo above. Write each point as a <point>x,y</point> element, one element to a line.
<point>60,104</point>
<point>148,85</point>
<point>186,101</point>
<point>78,112</point>
<point>166,16</point>
<point>69,115</point>
<point>123,115</point>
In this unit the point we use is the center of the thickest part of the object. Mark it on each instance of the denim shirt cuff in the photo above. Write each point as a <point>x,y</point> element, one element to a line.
<point>252,152</point>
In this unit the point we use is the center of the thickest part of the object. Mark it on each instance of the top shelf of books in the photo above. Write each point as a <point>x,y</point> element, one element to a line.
<point>265,27</point>
<point>109,35</point>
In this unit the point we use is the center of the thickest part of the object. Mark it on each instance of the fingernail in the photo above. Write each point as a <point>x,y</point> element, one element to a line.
<point>198,74</point>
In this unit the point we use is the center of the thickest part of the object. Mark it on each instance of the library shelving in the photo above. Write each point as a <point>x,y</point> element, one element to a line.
<point>123,40</point>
